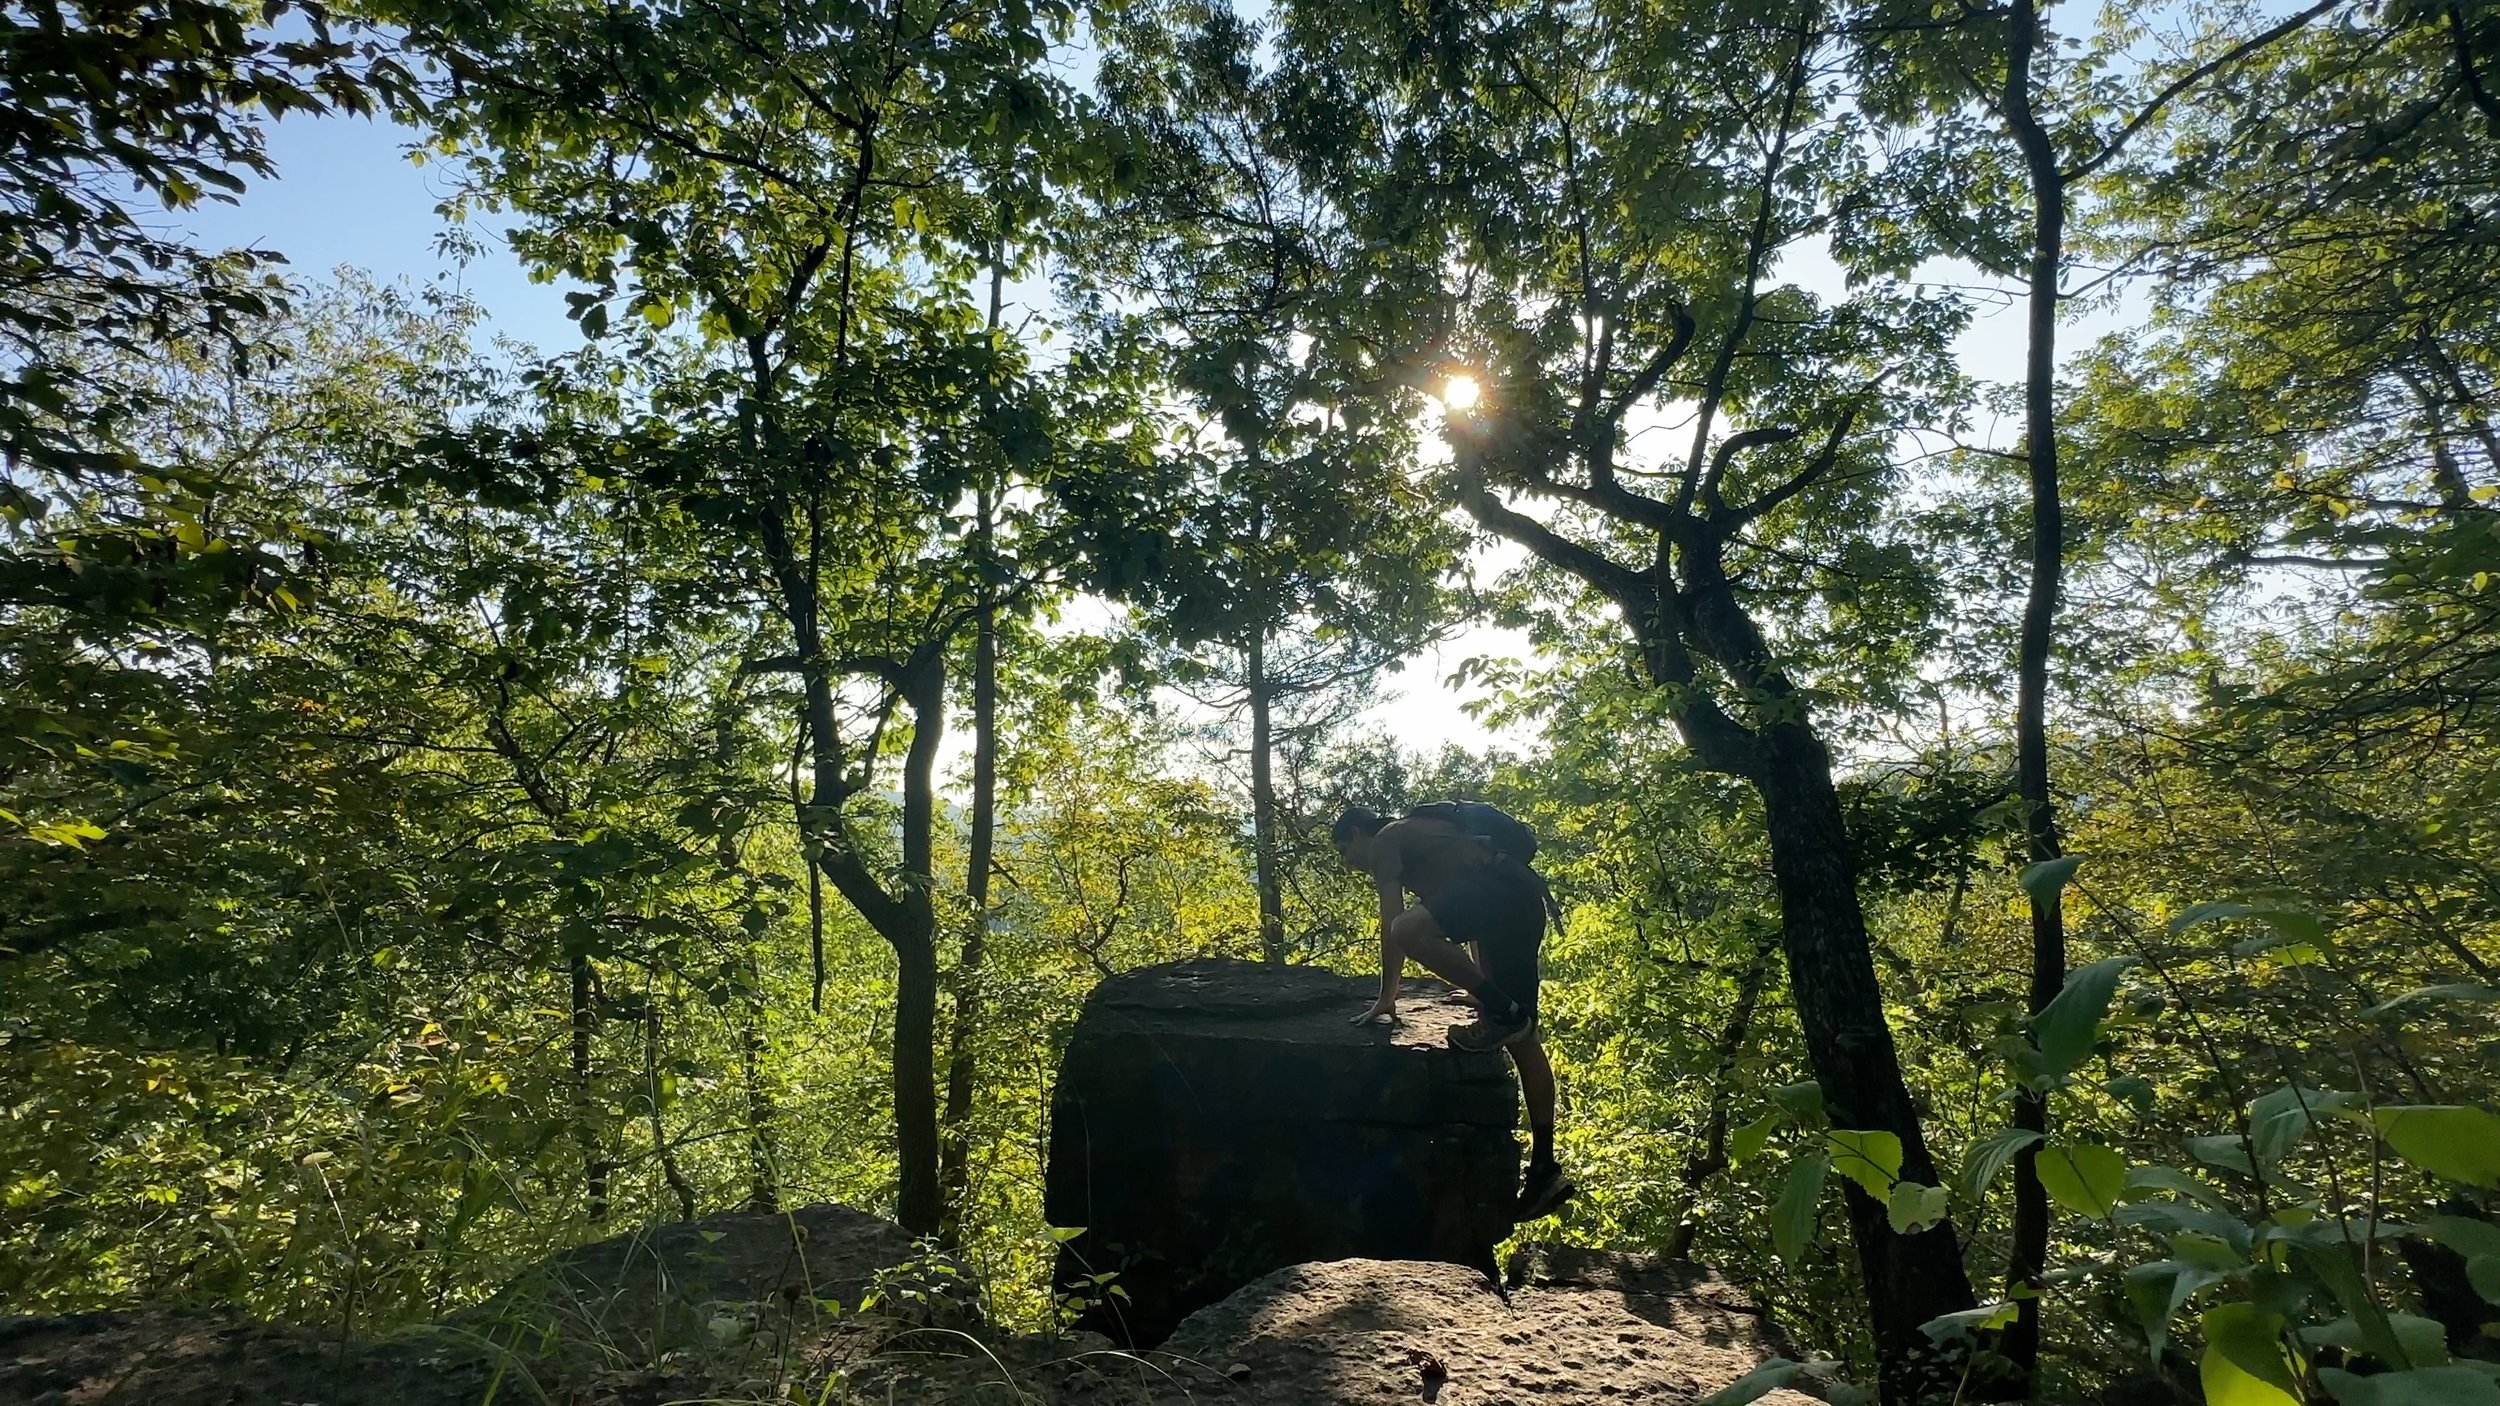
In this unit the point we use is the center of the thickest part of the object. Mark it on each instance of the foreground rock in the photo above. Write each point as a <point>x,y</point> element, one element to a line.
<point>1582,1328</point>
<point>700,1284</point>
<point>1217,1120</point>
<point>727,1307</point>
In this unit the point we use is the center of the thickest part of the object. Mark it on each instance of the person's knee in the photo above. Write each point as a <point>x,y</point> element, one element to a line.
<point>1413,926</point>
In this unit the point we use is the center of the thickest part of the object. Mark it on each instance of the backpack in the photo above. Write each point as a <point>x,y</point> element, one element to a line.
<point>1507,835</point>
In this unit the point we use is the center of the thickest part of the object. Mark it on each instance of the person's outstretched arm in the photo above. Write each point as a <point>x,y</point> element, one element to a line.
<point>1384,872</point>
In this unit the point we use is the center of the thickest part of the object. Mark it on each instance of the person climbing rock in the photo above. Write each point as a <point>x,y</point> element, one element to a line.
<point>1468,866</point>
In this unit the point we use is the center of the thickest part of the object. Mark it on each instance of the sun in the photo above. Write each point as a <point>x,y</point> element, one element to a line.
<point>1461,393</point>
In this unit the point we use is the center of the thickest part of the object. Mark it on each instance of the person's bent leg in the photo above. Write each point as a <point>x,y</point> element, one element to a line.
<point>1536,1089</point>
<point>1419,936</point>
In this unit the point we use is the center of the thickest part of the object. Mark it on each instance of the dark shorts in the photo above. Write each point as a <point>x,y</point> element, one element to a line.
<point>1502,909</point>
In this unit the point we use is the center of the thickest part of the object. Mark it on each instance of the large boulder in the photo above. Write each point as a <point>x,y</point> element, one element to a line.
<point>1576,1328</point>
<point>772,1274</point>
<point>1215,1120</point>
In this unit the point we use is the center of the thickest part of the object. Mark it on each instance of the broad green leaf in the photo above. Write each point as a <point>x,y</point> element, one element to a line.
<point>2246,1362</point>
<point>1912,1207</point>
<point>2449,1140</point>
<point>1803,1102</point>
<point>2463,1234</point>
<point>1867,1156</point>
<point>2423,1342</point>
<point>2084,1179</point>
<point>2424,995</point>
<point>2066,1028</point>
<point>1747,1140</point>
<point>2203,913</point>
<point>1800,1206</point>
<point>2141,1180</point>
<point>2158,1290</point>
<point>2483,1272</point>
<point>1985,1318</point>
<point>1765,1379</point>
<point>2172,1218</point>
<point>2226,1150</point>
<point>2423,1386</point>
<point>2333,1262</point>
<point>1987,1157</point>
<point>2044,880</point>
<point>2279,1120</point>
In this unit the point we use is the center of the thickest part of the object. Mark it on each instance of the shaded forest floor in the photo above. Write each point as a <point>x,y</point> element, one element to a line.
<point>642,1321</point>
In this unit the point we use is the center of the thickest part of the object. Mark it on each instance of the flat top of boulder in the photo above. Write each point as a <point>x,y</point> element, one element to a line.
<point>1584,1328</point>
<point>1270,1001</point>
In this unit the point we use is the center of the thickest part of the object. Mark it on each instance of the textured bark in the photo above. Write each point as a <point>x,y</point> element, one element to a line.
<point>1909,1279</point>
<point>2028,1258</point>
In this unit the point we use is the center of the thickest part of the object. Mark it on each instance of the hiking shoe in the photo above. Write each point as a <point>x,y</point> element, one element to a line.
<point>1546,1189</point>
<point>1490,1033</point>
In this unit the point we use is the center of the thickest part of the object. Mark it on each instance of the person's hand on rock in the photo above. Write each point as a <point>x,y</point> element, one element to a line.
<point>1386,1005</point>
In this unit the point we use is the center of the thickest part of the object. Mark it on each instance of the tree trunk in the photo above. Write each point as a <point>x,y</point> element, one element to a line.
<point>2029,1256</point>
<point>661,1148</point>
<point>1263,799</point>
<point>1709,1156</point>
<point>588,1119</point>
<point>1909,1279</point>
<point>955,1152</point>
<point>955,1156</point>
<point>763,1116</point>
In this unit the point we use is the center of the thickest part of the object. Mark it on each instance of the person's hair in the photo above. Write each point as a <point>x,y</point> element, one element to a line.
<point>1355,821</point>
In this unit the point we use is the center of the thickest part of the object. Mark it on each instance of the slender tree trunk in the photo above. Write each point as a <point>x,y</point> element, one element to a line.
<point>955,1153</point>
<point>2029,1256</point>
<point>1263,799</point>
<point>919,1204</point>
<point>1709,1156</point>
<point>955,1157</point>
<point>661,1147</point>
<point>589,1121</point>
<point>763,1115</point>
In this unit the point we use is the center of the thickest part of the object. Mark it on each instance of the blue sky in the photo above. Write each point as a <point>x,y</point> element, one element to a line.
<point>346,193</point>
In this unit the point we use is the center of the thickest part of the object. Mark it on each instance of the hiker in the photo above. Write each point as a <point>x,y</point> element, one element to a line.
<point>1467,889</point>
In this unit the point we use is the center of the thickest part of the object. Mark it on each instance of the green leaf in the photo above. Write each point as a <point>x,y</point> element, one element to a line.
<point>1983,1319</point>
<point>2084,1179</point>
<point>2278,1121</point>
<point>2146,1179</point>
<point>2424,995</point>
<point>1802,1101</point>
<point>1748,1140</point>
<point>1987,1157</point>
<point>2449,1140</point>
<point>1912,1207</point>
<point>1867,1156</point>
<point>1763,1380</point>
<point>2483,1272</point>
<point>2464,1234</point>
<point>2066,1028</point>
<point>2245,1362</point>
<point>2046,879</point>
<point>2423,1386</point>
<point>2155,1293</point>
<point>2420,1340</point>
<point>2226,1150</point>
<point>1800,1207</point>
